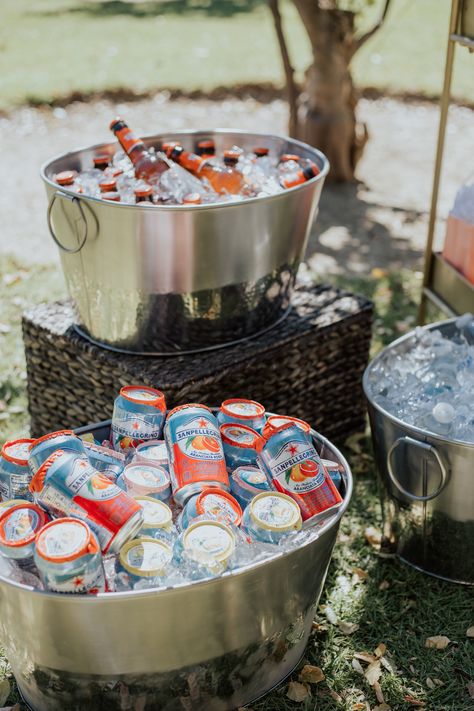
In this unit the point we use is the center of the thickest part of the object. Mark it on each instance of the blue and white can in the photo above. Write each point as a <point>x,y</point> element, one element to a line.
<point>152,452</point>
<point>209,544</point>
<point>44,446</point>
<point>335,471</point>
<point>139,413</point>
<point>105,460</point>
<point>247,482</point>
<point>242,412</point>
<point>214,504</point>
<point>144,558</point>
<point>239,442</point>
<point>15,474</point>
<point>68,557</point>
<point>19,526</point>
<point>146,479</point>
<point>270,516</point>
<point>157,519</point>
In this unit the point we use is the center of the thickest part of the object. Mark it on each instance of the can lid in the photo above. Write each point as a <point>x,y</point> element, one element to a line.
<point>275,421</point>
<point>65,177</point>
<point>145,557</point>
<point>243,409</point>
<point>260,151</point>
<point>66,539</point>
<point>150,476</point>
<point>37,482</point>
<point>209,538</point>
<point>250,476</point>
<point>285,157</point>
<point>239,435</point>
<point>144,395</point>
<point>220,504</point>
<point>184,407</point>
<point>156,514</point>
<point>14,450</point>
<point>272,431</point>
<point>19,525</point>
<point>51,435</point>
<point>274,511</point>
<point>153,449</point>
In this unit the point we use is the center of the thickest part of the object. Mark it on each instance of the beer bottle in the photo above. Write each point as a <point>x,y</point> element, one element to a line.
<point>300,177</point>
<point>221,179</point>
<point>260,152</point>
<point>101,161</point>
<point>148,165</point>
<point>231,157</point>
<point>143,194</point>
<point>108,185</point>
<point>286,157</point>
<point>206,149</point>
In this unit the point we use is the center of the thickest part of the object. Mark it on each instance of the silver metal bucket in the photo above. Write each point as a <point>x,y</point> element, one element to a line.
<point>427,488</point>
<point>215,645</point>
<point>181,278</point>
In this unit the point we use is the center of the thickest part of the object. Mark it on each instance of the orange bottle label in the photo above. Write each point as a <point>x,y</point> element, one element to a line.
<point>127,139</point>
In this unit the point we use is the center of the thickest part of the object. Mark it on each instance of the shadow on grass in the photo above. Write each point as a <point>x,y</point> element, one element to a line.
<point>110,8</point>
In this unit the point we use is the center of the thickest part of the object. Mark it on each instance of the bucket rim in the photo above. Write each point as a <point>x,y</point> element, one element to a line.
<point>324,169</point>
<point>421,433</point>
<point>330,524</point>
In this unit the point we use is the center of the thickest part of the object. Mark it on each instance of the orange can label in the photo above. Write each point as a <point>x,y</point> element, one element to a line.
<point>198,452</point>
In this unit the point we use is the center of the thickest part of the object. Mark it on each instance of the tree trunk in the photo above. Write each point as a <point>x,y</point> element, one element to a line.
<point>327,109</point>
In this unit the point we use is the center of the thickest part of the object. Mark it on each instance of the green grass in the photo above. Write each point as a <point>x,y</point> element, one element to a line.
<point>52,48</point>
<point>410,609</point>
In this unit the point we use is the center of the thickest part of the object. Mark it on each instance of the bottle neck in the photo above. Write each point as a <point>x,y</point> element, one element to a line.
<point>133,146</point>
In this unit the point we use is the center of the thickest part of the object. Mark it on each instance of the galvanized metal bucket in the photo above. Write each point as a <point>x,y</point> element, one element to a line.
<point>427,484</point>
<point>214,645</point>
<point>185,277</point>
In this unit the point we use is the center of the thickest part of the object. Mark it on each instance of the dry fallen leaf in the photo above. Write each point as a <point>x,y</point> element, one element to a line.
<point>373,536</point>
<point>298,692</point>
<point>470,632</point>
<point>378,692</point>
<point>382,707</point>
<point>347,627</point>
<point>470,689</point>
<point>4,691</point>
<point>318,628</point>
<point>311,674</point>
<point>360,574</point>
<point>430,683</point>
<point>414,702</point>
<point>357,666</point>
<point>378,273</point>
<point>387,665</point>
<point>439,641</point>
<point>381,649</point>
<point>373,672</point>
<point>365,657</point>
<point>384,585</point>
<point>335,696</point>
<point>360,706</point>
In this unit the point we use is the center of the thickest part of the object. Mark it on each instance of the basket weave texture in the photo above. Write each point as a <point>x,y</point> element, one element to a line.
<point>309,366</point>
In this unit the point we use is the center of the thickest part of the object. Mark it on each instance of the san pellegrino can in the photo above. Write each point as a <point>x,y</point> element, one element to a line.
<point>153,451</point>
<point>208,543</point>
<point>19,526</point>
<point>146,479</point>
<point>42,447</point>
<point>105,460</point>
<point>157,518</point>
<point>139,413</point>
<point>144,558</point>
<point>243,412</point>
<point>239,442</point>
<point>15,474</point>
<point>68,485</point>
<point>275,421</point>
<point>270,516</point>
<point>294,467</point>
<point>68,557</point>
<point>216,504</point>
<point>196,456</point>
<point>246,482</point>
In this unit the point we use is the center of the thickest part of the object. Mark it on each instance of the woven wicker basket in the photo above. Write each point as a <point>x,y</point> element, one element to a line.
<point>309,366</point>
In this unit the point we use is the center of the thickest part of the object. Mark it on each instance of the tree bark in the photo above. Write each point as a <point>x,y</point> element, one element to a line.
<point>291,87</point>
<point>327,109</point>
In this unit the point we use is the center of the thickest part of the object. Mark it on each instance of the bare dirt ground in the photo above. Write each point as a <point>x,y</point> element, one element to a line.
<point>379,221</point>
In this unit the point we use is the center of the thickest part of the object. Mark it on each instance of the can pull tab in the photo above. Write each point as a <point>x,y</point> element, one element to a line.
<point>410,442</point>
<point>93,547</point>
<point>81,217</point>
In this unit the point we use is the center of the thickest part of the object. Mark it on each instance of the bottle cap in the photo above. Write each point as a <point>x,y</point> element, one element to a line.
<point>117,123</point>
<point>260,151</point>
<point>143,192</point>
<point>113,196</point>
<point>101,160</point>
<point>192,199</point>
<point>108,185</point>
<point>285,157</point>
<point>66,177</point>
<point>206,147</point>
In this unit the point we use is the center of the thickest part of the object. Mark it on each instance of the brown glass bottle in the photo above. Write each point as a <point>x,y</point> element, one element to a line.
<point>221,179</point>
<point>143,194</point>
<point>300,177</point>
<point>148,166</point>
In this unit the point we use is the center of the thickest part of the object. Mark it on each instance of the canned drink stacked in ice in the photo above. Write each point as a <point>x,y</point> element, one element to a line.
<point>209,544</point>
<point>68,557</point>
<point>196,456</point>
<point>276,421</point>
<point>15,474</point>
<point>144,558</point>
<point>5,505</point>
<point>270,516</point>
<point>68,485</point>
<point>294,467</point>
<point>105,460</point>
<point>19,526</point>
<point>41,448</point>
<point>138,416</point>
<point>242,412</point>
<point>335,471</point>
<point>152,452</point>
<point>239,442</point>
<point>157,519</point>
<point>216,504</point>
<point>247,482</point>
<point>147,479</point>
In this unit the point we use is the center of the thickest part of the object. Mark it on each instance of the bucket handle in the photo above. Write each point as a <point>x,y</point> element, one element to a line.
<point>77,202</point>
<point>428,448</point>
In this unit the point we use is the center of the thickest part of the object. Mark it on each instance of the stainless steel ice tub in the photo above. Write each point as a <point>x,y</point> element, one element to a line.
<point>215,645</point>
<point>427,484</point>
<point>180,278</point>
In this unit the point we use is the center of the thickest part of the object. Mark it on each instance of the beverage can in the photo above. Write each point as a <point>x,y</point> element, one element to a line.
<point>147,479</point>
<point>294,467</point>
<point>209,542</point>
<point>105,460</point>
<point>139,413</point>
<point>4,505</point>
<point>68,557</point>
<point>153,451</point>
<point>215,504</point>
<point>15,474</point>
<point>145,557</point>
<point>239,442</point>
<point>243,412</point>
<point>275,421</point>
<point>68,485</point>
<point>157,518</point>
<point>19,526</point>
<point>246,482</point>
<point>270,516</point>
<point>196,456</point>
<point>335,471</point>
<point>42,447</point>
